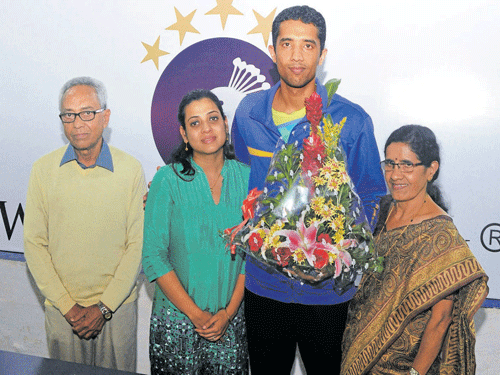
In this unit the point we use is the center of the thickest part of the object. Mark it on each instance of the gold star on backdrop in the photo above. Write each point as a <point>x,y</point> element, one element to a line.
<point>224,8</point>
<point>154,52</point>
<point>183,24</point>
<point>264,26</point>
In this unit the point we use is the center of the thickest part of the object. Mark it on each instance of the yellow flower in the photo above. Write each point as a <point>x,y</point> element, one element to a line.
<point>276,227</point>
<point>332,174</point>
<point>329,210</point>
<point>331,257</point>
<point>312,221</point>
<point>333,184</point>
<point>339,234</point>
<point>331,132</point>
<point>319,181</point>
<point>337,223</point>
<point>275,241</point>
<point>271,240</point>
<point>299,256</point>
<point>317,204</point>
<point>268,241</point>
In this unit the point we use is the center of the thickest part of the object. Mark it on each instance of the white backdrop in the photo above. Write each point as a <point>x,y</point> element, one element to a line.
<point>434,63</point>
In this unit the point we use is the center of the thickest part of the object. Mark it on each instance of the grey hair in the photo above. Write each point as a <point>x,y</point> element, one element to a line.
<point>98,86</point>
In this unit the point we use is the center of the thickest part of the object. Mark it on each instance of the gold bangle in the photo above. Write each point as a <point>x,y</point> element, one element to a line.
<point>228,318</point>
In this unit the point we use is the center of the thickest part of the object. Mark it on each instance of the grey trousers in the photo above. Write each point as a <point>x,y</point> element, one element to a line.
<point>115,347</point>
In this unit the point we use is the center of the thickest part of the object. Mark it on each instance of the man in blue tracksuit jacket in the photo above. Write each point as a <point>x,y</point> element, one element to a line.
<point>282,312</point>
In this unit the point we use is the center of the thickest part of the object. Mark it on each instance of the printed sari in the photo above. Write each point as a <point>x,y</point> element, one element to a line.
<point>424,263</point>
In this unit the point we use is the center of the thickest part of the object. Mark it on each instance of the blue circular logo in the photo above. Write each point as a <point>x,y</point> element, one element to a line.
<point>230,68</point>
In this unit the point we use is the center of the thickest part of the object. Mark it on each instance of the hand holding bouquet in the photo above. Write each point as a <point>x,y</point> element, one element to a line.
<point>308,222</point>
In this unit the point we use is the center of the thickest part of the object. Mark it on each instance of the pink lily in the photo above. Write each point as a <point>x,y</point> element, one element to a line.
<point>304,238</point>
<point>342,257</point>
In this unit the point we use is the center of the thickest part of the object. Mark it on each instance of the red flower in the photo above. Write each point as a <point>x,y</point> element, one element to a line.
<point>313,148</point>
<point>282,254</point>
<point>325,237</point>
<point>314,110</point>
<point>249,203</point>
<point>255,242</point>
<point>314,153</point>
<point>248,213</point>
<point>321,258</point>
<point>314,156</point>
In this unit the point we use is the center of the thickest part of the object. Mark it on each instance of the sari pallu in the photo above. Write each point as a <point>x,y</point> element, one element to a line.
<point>424,263</point>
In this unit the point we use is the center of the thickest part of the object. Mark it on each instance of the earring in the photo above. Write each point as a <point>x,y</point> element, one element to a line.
<point>186,147</point>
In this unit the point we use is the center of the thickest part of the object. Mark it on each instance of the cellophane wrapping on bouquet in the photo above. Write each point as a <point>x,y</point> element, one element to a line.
<point>308,222</point>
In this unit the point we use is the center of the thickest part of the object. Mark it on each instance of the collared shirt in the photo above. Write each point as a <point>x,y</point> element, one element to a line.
<point>83,230</point>
<point>104,159</point>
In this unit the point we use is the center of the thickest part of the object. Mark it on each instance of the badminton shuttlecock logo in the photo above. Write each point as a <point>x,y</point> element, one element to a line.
<point>245,79</point>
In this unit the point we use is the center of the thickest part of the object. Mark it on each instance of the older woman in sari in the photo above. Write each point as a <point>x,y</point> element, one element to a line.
<point>416,317</point>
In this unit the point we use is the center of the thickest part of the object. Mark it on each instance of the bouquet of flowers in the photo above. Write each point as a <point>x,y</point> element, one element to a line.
<point>308,222</point>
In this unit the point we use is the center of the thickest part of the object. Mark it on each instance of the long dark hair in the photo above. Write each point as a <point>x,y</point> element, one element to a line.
<point>180,155</point>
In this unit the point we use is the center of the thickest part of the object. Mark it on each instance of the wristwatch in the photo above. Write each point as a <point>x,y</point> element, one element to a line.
<point>414,372</point>
<point>107,313</point>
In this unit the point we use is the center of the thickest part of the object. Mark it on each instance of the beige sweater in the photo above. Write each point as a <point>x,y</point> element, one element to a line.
<point>83,230</point>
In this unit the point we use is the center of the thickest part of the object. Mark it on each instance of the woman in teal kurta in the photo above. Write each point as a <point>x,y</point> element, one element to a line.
<point>196,324</point>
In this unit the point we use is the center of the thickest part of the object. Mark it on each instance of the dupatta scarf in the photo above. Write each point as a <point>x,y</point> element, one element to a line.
<point>424,263</point>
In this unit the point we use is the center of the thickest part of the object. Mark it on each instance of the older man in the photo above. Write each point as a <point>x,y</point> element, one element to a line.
<point>83,236</point>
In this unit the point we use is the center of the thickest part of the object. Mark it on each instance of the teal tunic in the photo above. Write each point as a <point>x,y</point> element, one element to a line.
<point>182,228</point>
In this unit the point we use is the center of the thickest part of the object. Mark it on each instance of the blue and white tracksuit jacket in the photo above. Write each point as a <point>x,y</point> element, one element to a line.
<point>255,137</point>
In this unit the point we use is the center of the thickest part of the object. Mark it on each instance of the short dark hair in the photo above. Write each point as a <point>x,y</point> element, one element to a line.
<point>422,141</point>
<point>301,13</point>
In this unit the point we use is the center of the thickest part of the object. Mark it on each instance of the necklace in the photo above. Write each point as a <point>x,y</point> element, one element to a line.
<point>217,179</point>
<point>404,229</point>
<point>411,220</point>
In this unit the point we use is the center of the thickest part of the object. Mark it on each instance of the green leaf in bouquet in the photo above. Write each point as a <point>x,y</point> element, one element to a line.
<point>281,176</point>
<point>378,265</point>
<point>292,221</point>
<point>271,178</point>
<point>348,222</point>
<point>331,87</point>
<point>292,164</point>
<point>271,200</point>
<point>343,197</point>
<point>361,230</point>
<point>361,255</point>
<point>287,152</point>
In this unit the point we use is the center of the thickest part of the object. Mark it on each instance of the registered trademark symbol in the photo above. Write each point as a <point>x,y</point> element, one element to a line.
<point>490,237</point>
